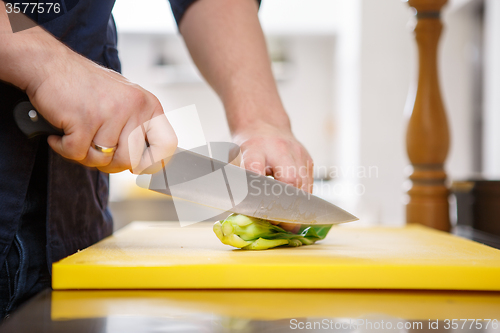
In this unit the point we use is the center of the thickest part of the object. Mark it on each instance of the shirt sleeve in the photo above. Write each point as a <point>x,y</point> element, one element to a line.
<point>179,8</point>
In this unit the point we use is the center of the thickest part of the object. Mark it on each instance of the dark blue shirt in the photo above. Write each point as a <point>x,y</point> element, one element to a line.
<point>71,199</point>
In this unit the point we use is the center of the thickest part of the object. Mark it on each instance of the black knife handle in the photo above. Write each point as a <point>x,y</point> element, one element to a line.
<point>31,122</point>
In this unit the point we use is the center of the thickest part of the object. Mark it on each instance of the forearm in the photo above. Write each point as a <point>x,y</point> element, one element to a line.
<point>226,42</point>
<point>26,57</point>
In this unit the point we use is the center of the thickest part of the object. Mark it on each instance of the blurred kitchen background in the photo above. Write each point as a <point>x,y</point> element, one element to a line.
<point>344,69</point>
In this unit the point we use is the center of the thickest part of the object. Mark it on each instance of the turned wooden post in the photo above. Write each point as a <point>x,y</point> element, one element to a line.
<point>427,138</point>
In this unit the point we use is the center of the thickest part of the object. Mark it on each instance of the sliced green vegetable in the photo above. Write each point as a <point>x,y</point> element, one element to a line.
<point>250,233</point>
<point>262,244</point>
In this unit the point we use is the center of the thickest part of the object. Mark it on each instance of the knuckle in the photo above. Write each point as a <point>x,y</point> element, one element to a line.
<point>253,165</point>
<point>308,162</point>
<point>248,155</point>
<point>79,156</point>
<point>244,147</point>
<point>107,106</point>
<point>288,179</point>
<point>105,161</point>
<point>75,152</point>
<point>120,161</point>
<point>310,165</point>
<point>76,156</point>
<point>138,99</point>
<point>109,169</point>
<point>282,144</point>
<point>253,142</point>
<point>95,116</point>
<point>252,162</point>
<point>299,151</point>
<point>171,143</point>
<point>94,160</point>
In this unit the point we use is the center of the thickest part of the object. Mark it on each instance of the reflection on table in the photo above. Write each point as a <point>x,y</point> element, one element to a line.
<point>256,311</point>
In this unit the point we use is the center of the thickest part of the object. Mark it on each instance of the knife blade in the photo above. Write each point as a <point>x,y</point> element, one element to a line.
<point>200,179</point>
<point>192,175</point>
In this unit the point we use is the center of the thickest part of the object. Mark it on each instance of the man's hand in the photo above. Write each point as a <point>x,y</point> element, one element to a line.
<point>94,104</point>
<point>273,151</point>
<point>88,102</point>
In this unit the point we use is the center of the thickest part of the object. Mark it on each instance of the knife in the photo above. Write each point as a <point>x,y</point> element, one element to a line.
<point>31,122</point>
<point>195,176</point>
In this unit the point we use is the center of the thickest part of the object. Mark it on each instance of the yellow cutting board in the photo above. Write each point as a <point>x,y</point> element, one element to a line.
<point>155,255</point>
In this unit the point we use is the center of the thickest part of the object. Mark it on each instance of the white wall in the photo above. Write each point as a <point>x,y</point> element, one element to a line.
<point>456,59</point>
<point>491,121</point>
<point>308,96</point>
<point>387,59</point>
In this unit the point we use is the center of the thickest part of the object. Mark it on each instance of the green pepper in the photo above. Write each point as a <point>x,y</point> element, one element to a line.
<point>251,233</point>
